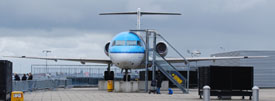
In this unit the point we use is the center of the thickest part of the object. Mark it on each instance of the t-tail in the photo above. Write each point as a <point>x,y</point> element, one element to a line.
<point>139,13</point>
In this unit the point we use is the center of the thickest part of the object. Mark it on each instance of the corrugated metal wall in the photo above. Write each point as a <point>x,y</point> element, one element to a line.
<point>264,68</point>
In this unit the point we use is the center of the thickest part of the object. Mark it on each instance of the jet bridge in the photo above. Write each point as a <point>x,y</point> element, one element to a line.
<point>159,62</point>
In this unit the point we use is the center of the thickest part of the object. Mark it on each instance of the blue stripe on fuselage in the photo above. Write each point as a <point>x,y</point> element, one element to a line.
<point>126,49</point>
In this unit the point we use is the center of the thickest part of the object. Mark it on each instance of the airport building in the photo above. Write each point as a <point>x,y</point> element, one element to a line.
<point>264,68</point>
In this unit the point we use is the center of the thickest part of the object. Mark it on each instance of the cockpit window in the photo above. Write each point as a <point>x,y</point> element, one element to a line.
<point>131,42</point>
<point>128,43</point>
<point>138,43</point>
<point>119,42</point>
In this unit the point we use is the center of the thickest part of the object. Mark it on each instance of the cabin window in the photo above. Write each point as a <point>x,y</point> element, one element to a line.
<point>131,43</point>
<point>120,43</point>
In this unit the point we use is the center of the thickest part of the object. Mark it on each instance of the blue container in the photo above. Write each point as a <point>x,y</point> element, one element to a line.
<point>170,91</point>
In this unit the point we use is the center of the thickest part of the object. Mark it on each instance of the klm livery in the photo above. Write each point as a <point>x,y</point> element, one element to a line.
<point>126,50</point>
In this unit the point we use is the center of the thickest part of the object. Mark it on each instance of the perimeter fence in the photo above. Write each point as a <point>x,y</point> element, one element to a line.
<point>32,85</point>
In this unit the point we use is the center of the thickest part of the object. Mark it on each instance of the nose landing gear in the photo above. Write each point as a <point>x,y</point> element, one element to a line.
<point>126,76</point>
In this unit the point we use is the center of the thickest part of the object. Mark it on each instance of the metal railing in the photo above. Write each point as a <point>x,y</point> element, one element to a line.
<point>171,73</point>
<point>168,69</point>
<point>186,62</point>
<point>64,71</point>
<point>32,85</point>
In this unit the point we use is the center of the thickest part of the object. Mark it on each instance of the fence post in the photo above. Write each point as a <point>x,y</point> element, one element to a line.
<point>206,93</point>
<point>255,93</point>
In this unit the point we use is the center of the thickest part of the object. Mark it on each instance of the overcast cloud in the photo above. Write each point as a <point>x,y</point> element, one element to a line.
<point>74,28</point>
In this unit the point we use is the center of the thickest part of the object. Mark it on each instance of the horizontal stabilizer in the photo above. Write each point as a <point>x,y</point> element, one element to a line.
<point>119,13</point>
<point>142,13</point>
<point>156,13</point>
<point>139,13</point>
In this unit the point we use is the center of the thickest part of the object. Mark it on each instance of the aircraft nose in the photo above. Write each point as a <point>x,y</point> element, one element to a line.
<point>129,60</point>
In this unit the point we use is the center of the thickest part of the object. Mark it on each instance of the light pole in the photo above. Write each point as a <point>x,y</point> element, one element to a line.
<point>46,52</point>
<point>195,53</point>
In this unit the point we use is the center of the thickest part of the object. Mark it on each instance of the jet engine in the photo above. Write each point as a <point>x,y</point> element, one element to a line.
<point>106,48</point>
<point>162,49</point>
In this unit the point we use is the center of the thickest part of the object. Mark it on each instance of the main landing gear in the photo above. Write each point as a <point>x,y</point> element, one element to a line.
<point>109,75</point>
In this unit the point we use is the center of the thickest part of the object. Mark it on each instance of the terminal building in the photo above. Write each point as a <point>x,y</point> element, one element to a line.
<point>264,68</point>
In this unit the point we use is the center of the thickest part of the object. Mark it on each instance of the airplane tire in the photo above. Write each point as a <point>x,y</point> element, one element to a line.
<point>129,78</point>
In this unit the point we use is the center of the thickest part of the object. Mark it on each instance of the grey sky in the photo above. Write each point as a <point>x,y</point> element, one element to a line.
<point>74,28</point>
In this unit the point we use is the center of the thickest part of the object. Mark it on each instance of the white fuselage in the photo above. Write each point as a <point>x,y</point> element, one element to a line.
<point>127,60</point>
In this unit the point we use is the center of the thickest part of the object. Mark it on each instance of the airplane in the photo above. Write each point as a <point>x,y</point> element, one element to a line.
<point>127,49</point>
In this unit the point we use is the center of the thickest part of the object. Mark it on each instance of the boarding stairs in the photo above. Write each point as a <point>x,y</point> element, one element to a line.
<point>169,70</point>
<point>161,63</point>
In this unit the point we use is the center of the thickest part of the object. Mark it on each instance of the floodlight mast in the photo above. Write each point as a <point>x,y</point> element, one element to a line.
<point>46,52</point>
<point>139,13</point>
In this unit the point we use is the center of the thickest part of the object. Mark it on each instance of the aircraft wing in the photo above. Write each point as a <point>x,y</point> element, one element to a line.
<point>171,60</point>
<point>81,60</point>
<point>179,60</point>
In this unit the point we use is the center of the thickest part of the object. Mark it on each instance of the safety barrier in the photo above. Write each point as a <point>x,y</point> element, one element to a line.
<point>31,85</point>
<point>84,81</point>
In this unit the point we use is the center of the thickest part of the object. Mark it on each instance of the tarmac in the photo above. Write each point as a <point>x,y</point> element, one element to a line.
<point>93,94</point>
